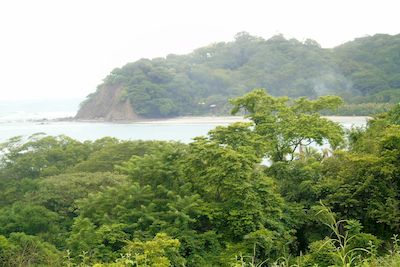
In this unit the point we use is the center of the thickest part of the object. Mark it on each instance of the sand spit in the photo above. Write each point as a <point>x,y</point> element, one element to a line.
<point>231,119</point>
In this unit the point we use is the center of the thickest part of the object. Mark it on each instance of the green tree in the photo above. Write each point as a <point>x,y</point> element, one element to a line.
<point>41,220</point>
<point>40,155</point>
<point>241,203</point>
<point>161,251</point>
<point>61,193</point>
<point>288,125</point>
<point>21,250</point>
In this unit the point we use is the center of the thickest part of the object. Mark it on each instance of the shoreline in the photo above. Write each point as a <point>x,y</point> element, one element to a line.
<point>213,120</point>
<point>233,119</point>
<point>217,120</point>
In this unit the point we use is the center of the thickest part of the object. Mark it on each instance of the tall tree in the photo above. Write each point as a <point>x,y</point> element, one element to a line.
<point>287,125</point>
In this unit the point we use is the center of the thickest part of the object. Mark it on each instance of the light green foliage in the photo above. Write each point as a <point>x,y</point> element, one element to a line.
<point>161,251</point>
<point>346,246</point>
<point>286,126</point>
<point>5,250</point>
<point>390,260</point>
<point>387,261</point>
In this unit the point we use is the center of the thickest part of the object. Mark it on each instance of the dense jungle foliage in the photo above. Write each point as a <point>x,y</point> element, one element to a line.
<point>365,72</point>
<point>210,202</point>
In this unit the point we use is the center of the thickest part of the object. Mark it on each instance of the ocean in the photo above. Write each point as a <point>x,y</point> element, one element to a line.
<point>184,129</point>
<point>27,118</point>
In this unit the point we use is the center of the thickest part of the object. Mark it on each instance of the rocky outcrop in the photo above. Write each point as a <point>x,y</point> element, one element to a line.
<point>106,105</point>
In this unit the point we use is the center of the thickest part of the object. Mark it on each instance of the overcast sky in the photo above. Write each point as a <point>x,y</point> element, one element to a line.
<point>63,49</point>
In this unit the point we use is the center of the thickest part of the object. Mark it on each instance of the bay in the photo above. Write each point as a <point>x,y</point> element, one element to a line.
<point>180,129</point>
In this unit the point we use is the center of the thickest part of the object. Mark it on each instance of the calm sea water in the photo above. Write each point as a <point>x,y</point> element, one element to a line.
<point>183,132</point>
<point>92,131</point>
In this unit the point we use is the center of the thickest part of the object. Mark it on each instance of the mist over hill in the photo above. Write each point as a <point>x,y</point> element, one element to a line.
<point>365,72</point>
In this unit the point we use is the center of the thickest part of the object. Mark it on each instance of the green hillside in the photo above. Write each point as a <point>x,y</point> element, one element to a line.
<point>366,72</point>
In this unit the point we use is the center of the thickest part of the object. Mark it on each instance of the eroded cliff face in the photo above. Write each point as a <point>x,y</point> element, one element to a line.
<point>106,105</point>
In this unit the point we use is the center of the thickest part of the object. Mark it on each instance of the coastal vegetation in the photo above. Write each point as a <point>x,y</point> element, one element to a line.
<point>365,72</point>
<point>249,194</point>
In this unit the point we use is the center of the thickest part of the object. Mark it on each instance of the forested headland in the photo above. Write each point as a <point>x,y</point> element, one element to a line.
<point>365,72</point>
<point>210,202</point>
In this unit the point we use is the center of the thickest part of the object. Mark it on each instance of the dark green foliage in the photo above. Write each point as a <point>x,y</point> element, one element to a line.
<point>15,219</point>
<point>109,152</point>
<point>367,182</point>
<point>362,71</point>
<point>354,109</point>
<point>60,193</point>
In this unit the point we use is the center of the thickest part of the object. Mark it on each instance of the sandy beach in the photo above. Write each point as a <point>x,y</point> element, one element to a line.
<point>197,120</point>
<point>231,119</point>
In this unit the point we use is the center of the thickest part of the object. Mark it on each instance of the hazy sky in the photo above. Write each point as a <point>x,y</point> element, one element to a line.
<point>63,49</point>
